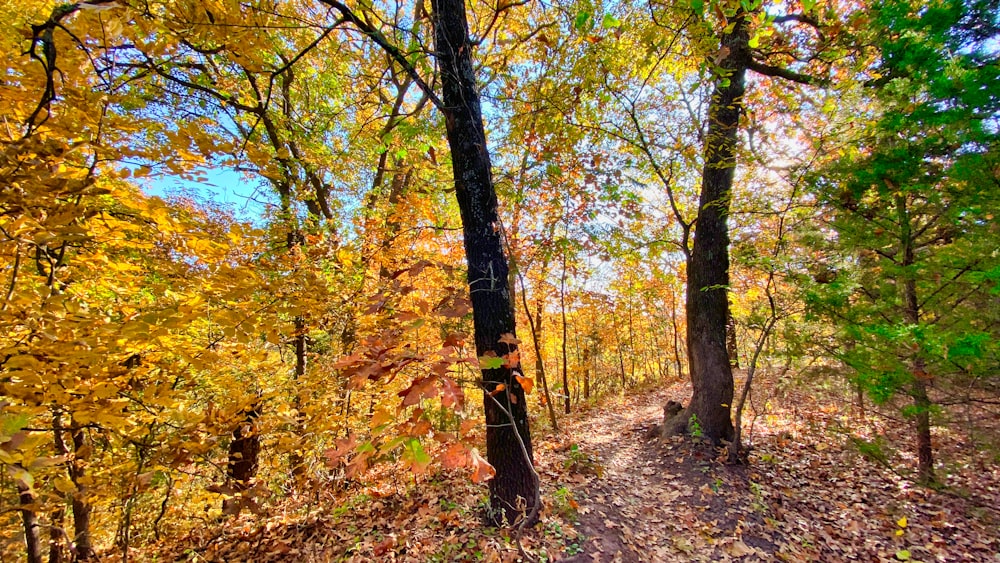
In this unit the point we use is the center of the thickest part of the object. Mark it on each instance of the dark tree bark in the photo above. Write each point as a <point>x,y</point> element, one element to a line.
<point>514,489</point>
<point>58,516</point>
<point>32,541</point>
<point>708,267</point>
<point>84,545</point>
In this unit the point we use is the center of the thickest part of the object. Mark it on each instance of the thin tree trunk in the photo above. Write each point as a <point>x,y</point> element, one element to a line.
<point>631,337</point>
<point>925,448</point>
<point>57,533</point>
<point>81,505</point>
<point>731,346</point>
<point>621,354</point>
<point>676,335</point>
<point>301,348</point>
<point>737,445</point>
<point>918,389</point>
<point>32,541</point>
<point>536,338</point>
<point>514,491</point>
<point>562,309</point>
<point>708,267</point>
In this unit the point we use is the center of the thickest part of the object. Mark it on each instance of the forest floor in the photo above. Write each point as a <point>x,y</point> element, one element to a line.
<point>612,493</point>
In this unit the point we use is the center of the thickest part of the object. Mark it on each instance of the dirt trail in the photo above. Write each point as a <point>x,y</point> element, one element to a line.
<point>643,501</point>
<point>806,495</point>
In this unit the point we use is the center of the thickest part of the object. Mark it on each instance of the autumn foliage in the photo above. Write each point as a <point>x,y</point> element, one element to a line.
<point>170,361</point>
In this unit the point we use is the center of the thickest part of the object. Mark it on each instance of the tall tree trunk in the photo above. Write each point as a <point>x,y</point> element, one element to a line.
<point>58,516</point>
<point>925,448</point>
<point>631,337</point>
<point>731,346</point>
<point>621,353</point>
<point>586,371</point>
<point>708,267</point>
<point>514,489</point>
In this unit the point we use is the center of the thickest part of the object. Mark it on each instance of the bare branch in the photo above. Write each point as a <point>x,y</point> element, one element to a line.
<point>787,74</point>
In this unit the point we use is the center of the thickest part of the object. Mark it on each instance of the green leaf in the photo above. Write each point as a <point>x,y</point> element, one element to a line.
<point>490,362</point>
<point>610,22</point>
<point>698,6</point>
<point>582,22</point>
<point>414,453</point>
<point>808,5</point>
<point>754,41</point>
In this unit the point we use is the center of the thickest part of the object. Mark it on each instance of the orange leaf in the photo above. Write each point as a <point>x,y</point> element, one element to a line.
<point>420,388</point>
<point>451,393</point>
<point>500,387</point>
<point>481,469</point>
<point>526,382</point>
<point>456,455</point>
<point>512,360</point>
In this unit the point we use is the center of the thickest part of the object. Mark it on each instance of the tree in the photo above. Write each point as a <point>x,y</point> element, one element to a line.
<point>514,489</point>
<point>708,263</point>
<point>708,315</point>
<point>912,244</point>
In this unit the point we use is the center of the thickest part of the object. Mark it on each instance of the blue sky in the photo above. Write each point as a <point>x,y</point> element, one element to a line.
<point>227,188</point>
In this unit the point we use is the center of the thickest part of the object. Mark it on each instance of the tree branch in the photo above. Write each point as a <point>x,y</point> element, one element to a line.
<point>779,72</point>
<point>390,49</point>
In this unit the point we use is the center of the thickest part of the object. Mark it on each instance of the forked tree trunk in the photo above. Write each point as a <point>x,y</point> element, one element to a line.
<point>514,489</point>
<point>708,267</point>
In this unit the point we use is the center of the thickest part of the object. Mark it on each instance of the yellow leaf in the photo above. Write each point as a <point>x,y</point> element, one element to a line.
<point>901,522</point>
<point>64,485</point>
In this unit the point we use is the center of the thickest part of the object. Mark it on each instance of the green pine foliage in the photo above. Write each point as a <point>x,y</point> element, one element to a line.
<point>910,231</point>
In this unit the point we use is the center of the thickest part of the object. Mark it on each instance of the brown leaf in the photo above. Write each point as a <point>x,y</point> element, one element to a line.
<point>508,338</point>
